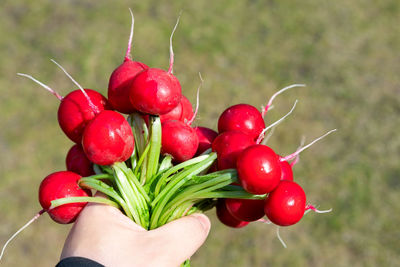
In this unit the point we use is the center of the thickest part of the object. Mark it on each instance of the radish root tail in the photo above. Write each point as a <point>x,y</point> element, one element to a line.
<point>279,237</point>
<point>20,230</point>
<point>267,107</point>
<point>171,50</point>
<point>261,136</point>
<point>42,84</point>
<point>292,156</point>
<point>297,158</point>
<point>311,207</point>
<point>92,106</point>
<point>128,50</point>
<point>197,101</point>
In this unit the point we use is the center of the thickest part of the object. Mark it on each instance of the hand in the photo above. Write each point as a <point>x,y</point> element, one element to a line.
<point>103,234</point>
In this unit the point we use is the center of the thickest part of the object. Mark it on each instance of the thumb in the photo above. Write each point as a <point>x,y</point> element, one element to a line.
<point>183,237</point>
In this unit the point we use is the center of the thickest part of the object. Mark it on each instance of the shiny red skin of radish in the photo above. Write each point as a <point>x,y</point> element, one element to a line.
<point>178,140</point>
<point>187,109</point>
<point>108,138</point>
<point>155,91</point>
<point>258,169</point>
<point>226,218</point>
<point>61,185</point>
<point>286,204</point>
<point>248,210</point>
<point>206,137</point>
<point>229,145</point>
<point>74,112</point>
<point>120,83</point>
<point>174,114</point>
<point>241,117</point>
<point>287,172</point>
<point>76,161</point>
<point>182,112</point>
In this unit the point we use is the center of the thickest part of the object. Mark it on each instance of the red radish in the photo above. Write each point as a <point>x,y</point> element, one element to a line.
<point>77,161</point>
<point>229,145</point>
<point>226,218</point>
<point>187,109</point>
<point>108,138</point>
<point>206,137</point>
<point>61,185</point>
<point>178,140</point>
<point>174,114</point>
<point>76,109</point>
<point>287,172</point>
<point>286,204</point>
<point>75,113</point>
<point>241,117</point>
<point>248,210</point>
<point>183,111</point>
<point>258,169</point>
<point>122,77</point>
<point>155,91</point>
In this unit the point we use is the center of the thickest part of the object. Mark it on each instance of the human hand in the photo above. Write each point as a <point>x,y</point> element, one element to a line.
<point>103,234</point>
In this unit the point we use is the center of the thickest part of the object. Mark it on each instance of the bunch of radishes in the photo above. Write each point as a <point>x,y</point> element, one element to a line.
<point>155,167</point>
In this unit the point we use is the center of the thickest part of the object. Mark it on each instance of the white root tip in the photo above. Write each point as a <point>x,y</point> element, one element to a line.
<point>197,101</point>
<point>261,136</point>
<point>269,135</point>
<point>19,231</point>
<point>268,107</point>
<point>171,51</point>
<point>291,156</point>
<point>279,237</point>
<point>311,207</point>
<point>297,158</point>
<point>92,106</point>
<point>42,84</point>
<point>128,50</point>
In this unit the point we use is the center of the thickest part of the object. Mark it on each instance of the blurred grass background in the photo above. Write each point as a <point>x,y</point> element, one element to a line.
<point>347,52</point>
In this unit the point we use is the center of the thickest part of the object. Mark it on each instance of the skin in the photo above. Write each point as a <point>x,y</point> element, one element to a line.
<point>102,233</point>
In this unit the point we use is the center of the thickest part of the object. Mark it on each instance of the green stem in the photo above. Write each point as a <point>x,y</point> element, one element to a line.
<point>141,159</point>
<point>128,195</point>
<point>105,189</point>
<point>163,180</point>
<point>100,176</point>
<point>68,200</point>
<point>140,131</point>
<point>179,179</point>
<point>155,148</point>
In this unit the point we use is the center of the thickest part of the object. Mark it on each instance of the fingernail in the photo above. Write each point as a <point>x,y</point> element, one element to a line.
<point>204,221</point>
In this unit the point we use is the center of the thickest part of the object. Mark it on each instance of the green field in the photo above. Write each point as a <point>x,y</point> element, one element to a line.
<point>347,52</point>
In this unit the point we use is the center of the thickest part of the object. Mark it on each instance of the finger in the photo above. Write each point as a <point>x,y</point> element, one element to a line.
<point>183,237</point>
